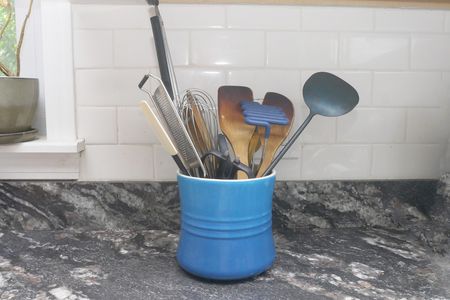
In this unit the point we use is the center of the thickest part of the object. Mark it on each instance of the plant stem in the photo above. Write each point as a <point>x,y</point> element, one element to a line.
<point>5,70</point>
<point>22,34</point>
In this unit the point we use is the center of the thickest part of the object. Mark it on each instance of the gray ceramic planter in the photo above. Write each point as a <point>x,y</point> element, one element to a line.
<point>18,102</point>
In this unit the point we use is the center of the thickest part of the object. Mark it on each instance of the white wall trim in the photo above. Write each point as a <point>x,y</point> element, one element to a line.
<point>57,52</point>
<point>31,55</point>
<point>43,146</point>
<point>39,166</point>
<point>49,57</point>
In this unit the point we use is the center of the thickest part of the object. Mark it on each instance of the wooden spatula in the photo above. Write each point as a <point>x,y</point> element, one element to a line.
<point>232,121</point>
<point>254,145</point>
<point>278,133</point>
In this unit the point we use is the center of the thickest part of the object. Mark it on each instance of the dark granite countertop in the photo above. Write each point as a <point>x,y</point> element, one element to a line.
<point>311,264</point>
<point>335,240</point>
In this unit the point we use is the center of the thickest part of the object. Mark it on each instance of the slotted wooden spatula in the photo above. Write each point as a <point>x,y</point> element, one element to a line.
<point>232,121</point>
<point>278,133</point>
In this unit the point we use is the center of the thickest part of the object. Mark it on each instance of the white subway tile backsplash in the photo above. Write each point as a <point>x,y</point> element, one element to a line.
<point>117,162</point>
<point>110,16</point>
<point>406,161</point>
<point>398,129</point>
<point>372,125</point>
<point>97,125</point>
<point>179,47</point>
<point>193,16</point>
<point>414,89</point>
<point>428,125</point>
<point>208,80</point>
<point>299,110</point>
<point>409,20</point>
<point>263,17</point>
<point>446,78</point>
<point>430,51</point>
<point>93,48</point>
<point>335,161</point>
<point>445,163</point>
<point>360,80</point>
<point>321,130</point>
<point>134,48</point>
<point>108,87</point>
<point>227,48</point>
<point>336,19</point>
<point>446,99</point>
<point>288,169</point>
<point>268,80</point>
<point>302,49</point>
<point>374,51</point>
<point>295,151</point>
<point>165,167</point>
<point>447,21</point>
<point>133,127</point>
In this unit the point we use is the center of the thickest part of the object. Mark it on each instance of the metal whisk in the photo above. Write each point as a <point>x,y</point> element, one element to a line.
<point>199,114</point>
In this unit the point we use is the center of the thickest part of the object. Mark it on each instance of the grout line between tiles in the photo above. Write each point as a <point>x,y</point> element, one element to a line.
<point>371,161</point>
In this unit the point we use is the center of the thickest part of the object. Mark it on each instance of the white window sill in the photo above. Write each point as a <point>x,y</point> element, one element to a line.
<point>41,160</point>
<point>41,145</point>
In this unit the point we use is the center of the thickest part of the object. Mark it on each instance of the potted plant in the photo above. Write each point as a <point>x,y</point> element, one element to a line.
<point>18,95</point>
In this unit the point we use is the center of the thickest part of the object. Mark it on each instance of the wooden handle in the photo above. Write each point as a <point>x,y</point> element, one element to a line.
<point>158,128</point>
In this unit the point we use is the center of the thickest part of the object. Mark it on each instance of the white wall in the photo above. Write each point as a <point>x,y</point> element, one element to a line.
<point>398,60</point>
<point>31,55</point>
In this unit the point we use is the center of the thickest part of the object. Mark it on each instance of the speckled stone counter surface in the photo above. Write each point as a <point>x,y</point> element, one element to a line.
<point>335,240</point>
<point>312,264</point>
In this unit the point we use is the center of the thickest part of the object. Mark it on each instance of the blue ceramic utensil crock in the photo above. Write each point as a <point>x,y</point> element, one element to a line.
<point>226,227</point>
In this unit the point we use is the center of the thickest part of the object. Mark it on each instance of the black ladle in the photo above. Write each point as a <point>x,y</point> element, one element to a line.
<point>327,95</point>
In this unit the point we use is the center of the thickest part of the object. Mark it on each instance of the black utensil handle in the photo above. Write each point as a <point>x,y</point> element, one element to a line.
<point>225,166</point>
<point>221,140</point>
<point>161,54</point>
<point>143,81</point>
<point>238,166</point>
<point>288,145</point>
<point>222,159</point>
<point>180,165</point>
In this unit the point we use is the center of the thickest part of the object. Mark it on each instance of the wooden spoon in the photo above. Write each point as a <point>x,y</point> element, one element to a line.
<point>278,133</point>
<point>232,121</point>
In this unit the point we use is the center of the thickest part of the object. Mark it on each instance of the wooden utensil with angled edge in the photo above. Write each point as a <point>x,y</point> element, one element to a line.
<point>278,133</point>
<point>232,121</point>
